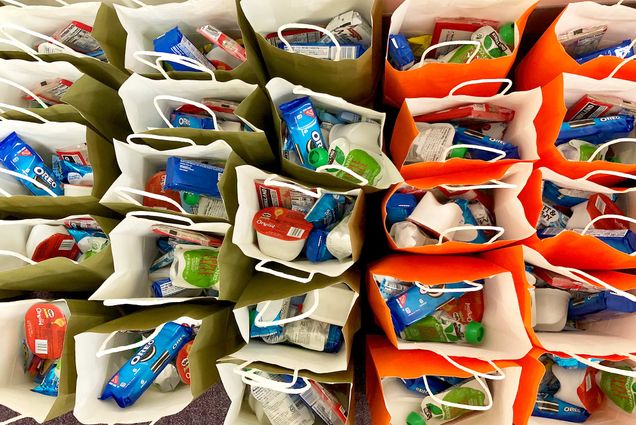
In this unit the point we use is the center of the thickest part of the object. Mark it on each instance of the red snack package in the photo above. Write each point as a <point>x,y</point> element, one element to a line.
<point>452,29</point>
<point>469,114</point>
<point>155,185</point>
<point>45,328</point>
<point>183,364</point>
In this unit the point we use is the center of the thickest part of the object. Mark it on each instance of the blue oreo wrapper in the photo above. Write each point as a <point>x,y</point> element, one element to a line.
<point>133,378</point>
<point>466,136</point>
<point>316,246</point>
<point>16,155</point>
<point>548,406</point>
<point>192,176</point>
<point>596,130</point>
<point>176,43</point>
<point>437,384</point>
<point>181,119</point>
<point>400,53</point>
<point>599,306</point>
<point>620,50</point>
<point>72,173</point>
<point>51,382</point>
<point>303,128</point>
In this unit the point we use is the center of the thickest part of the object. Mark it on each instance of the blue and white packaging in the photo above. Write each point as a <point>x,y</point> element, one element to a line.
<point>316,246</point>
<point>327,211</point>
<point>193,176</point>
<point>399,207</point>
<point>465,136</point>
<point>201,122</point>
<point>620,50</point>
<point>437,384</point>
<point>548,406</point>
<point>599,306</point>
<point>176,43</point>
<point>596,130</point>
<point>400,53</point>
<point>563,197</point>
<point>303,128</point>
<point>163,288</point>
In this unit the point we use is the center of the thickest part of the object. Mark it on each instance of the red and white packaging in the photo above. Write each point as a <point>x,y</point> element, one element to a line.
<point>183,364</point>
<point>275,196</point>
<point>187,235</point>
<point>453,29</point>
<point>281,232</point>
<point>48,241</point>
<point>467,308</point>
<point>77,154</point>
<point>44,329</point>
<point>594,106</point>
<point>156,184</point>
<point>295,36</point>
<point>559,281</point>
<point>469,114</point>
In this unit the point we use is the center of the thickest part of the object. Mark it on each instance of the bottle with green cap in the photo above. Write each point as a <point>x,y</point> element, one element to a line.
<point>492,44</point>
<point>468,393</point>
<point>442,327</point>
<point>415,418</point>
<point>360,161</point>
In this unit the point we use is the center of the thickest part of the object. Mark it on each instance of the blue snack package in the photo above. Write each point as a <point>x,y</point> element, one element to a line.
<point>548,406</point>
<point>163,288</point>
<point>166,244</point>
<point>193,176</point>
<point>134,377</point>
<point>571,363</point>
<point>621,240</point>
<point>599,306</point>
<point>303,128</point>
<point>18,156</point>
<point>51,382</point>
<point>416,303</point>
<point>620,50</point>
<point>559,196</point>
<point>176,43</point>
<point>327,211</point>
<point>466,136</point>
<point>182,119</point>
<point>399,207</point>
<point>400,53</point>
<point>596,130</point>
<point>470,220</point>
<point>79,234</point>
<point>163,261</point>
<point>316,246</point>
<point>334,339</point>
<point>390,287</point>
<point>437,384</point>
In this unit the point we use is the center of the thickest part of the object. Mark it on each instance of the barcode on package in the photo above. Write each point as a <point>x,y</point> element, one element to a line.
<point>41,346</point>
<point>295,232</point>
<point>600,205</point>
<point>67,245</point>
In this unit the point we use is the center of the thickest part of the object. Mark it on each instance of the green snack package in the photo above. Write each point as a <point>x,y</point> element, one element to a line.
<point>468,393</point>
<point>197,267</point>
<point>620,389</point>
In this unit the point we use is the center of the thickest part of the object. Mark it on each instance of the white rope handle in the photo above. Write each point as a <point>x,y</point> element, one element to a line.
<point>599,366</point>
<point>7,253</point>
<point>452,43</point>
<point>497,184</point>
<point>142,214</point>
<point>501,153</point>
<point>13,419</point>
<point>25,91</point>
<point>438,400</point>
<point>170,57</point>
<point>474,287</point>
<point>250,378</point>
<point>623,62</point>
<point>260,267</point>
<point>500,376</point>
<point>302,91</point>
<point>602,283</point>
<point>273,181</point>
<point>500,231</point>
<point>124,190</point>
<point>132,137</point>
<point>508,82</point>
<point>608,144</point>
<point>185,101</point>
<point>608,173</point>
<point>269,385</point>
<point>308,27</point>
<point>252,374</point>
<point>305,314</point>
<point>3,30</point>
<point>22,111</point>
<point>335,166</point>
<point>30,180</point>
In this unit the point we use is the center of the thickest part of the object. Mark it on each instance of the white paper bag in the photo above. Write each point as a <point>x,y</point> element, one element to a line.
<point>134,250</point>
<point>148,103</point>
<point>139,162</point>
<point>282,91</point>
<point>22,28</point>
<point>19,77</point>
<point>144,24</point>
<point>245,235</point>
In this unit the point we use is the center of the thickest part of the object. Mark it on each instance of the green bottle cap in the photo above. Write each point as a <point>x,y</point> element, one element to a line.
<point>507,34</point>
<point>318,157</point>
<point>191,198</point>
<point>474,333</point>
<point>458,153</point>
<point>253,314</point>
<point>415,418</point>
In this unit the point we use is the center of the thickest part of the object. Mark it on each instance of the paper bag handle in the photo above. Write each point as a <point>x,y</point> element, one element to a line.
<point>308,27</point>
<point>131,137</point>
<point>22,111</point>
<point>249,377</point>
<point>602,283</point>
<point>599,366</point>
<point>500,231</point>
<point>500,376</point>
<point>30,180</point>
<point>272,180</point>
<point>501,153</point>
<point>25,91</point>
<point>170,57</point>
<point>488,406</point>
<point>497,184</point>
<point>305,314</point>
<point>260,267</point>
<point>506,89</point>
<point>451,43</point>
<point>28,49</point>
<point>610,143</point>
<point>474,287</point>
<point>623,62</point>
<point>142,214</point>
<point>7,253</point>
<point>103,351</point>
<point>335,166</point>
<point>123,191</point>
<point>185,101</point>
<point>302,91</point>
